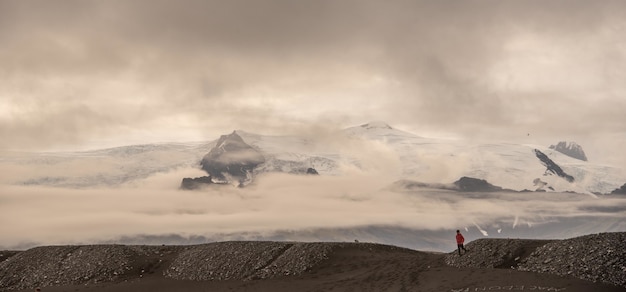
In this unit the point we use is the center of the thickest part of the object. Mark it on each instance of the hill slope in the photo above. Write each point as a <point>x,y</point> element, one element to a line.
<point>294,266</point>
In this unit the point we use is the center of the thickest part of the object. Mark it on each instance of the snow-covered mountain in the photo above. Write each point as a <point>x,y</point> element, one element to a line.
<point>103,167</point>
<point>373,147</point>
<point>414,201</point>
<point>510,166</point>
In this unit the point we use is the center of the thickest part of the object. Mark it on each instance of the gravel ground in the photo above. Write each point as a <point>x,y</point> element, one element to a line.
<point>493,253</point>
<point>596,258</point>
<point>246,260</point>
<point>78,265</point>
<point>63,265</point>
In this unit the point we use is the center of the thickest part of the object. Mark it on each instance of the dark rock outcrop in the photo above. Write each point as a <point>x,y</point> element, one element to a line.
<point>570,149</point>
<point>231,160</point>
<point>464,184</point>
<point>469,184</point>
<point>552,167</point>
<point>189,183</point>
<point>311,170</point>
<point>620,191</point>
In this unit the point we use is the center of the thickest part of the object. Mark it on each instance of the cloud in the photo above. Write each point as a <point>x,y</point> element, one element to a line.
<point>275,202</point>
<point>158,70</point>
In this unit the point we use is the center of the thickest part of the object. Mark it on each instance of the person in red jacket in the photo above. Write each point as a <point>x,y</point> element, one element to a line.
<point>459,241</point>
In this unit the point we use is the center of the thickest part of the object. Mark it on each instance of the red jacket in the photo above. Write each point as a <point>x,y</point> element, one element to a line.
<point>459,238</point>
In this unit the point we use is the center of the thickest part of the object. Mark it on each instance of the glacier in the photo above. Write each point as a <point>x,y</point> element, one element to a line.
<point>375,183</point>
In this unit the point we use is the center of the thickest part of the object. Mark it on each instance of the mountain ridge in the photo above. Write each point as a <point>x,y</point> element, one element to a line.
<point>510,166</point>
<point>371,147</point>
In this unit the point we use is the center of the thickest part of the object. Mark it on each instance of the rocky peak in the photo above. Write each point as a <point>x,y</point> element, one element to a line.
<point>232,159</point>
<point>570,149</point>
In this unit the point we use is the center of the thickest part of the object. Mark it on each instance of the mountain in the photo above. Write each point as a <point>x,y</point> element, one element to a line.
<point>108,167</point>
<point>294,155</point>
<point>231,160</point>
<point>420,185</point>
<point>374,147</point>
<point>570,149</point>
<point>510,166</point>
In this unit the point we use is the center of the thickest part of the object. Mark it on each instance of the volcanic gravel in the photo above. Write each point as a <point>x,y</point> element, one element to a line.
<point>597,258</point>
<point>246,260</point>
<point>493,253</point>
<point>78,265</point>
<point>62,265</point>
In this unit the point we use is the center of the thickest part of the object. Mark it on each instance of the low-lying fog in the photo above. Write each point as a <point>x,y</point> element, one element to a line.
<point>33,215</point>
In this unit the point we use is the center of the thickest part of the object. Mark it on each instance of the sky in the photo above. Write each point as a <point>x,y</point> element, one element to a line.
<point>87,74</point>
<point>90,74</point>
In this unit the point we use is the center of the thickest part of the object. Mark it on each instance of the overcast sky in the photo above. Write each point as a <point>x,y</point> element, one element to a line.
<point>76,74</point>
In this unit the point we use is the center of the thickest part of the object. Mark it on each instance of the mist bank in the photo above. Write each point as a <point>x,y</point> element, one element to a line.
<point>292,207</point>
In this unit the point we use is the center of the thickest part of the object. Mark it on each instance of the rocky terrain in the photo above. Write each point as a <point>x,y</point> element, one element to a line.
<point>246,260</point>
<point>61,265</point>
<point>585,263</point>
<point>597,257</point>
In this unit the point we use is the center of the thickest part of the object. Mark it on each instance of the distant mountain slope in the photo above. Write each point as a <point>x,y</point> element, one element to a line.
<point>292,154</point>
<point>103,167</point>
<point>570,149</point>
<point>374,147</point>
